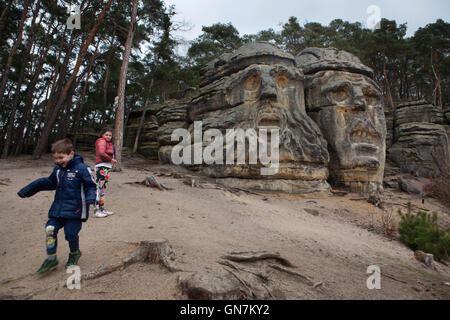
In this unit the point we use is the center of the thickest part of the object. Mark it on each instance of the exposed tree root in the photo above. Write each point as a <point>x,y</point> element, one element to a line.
<point>253,256</point>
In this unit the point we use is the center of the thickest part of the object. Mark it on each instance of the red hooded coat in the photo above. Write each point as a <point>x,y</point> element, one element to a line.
<point>104,151</point>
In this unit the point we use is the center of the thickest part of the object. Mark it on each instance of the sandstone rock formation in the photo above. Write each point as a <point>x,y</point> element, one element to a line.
<point>347,105</point>
<point>389,116</point>
<point>148,140</point>
<point>258,87</point>
<point>421,142</point>
<point>337,132</point>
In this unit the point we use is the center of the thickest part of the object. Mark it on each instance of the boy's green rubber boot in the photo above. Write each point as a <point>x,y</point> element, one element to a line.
<point>49,264</point>
<point>73,258</point>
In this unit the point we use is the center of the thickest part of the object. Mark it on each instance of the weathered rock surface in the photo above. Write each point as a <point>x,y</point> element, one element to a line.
<point>172,112</point>
<point>148,140</point>
<point>164,132</point>
<point>347,105</point>
<point>421,148</point>
<point>389,128</point>
<point>407,186</point>
<point>425,113</point>
<point>421,143</point>
<point>447,114</point>
<point>313,60</point>
<point>247,55</point>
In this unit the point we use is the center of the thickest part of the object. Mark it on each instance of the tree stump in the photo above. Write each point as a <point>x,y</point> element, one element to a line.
<point>426,258</point>
<point>205,285</point>
<point>151,181</point>
<point>157,251</point>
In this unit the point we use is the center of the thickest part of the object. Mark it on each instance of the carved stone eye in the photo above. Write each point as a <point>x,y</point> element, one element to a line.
<point>281,80</point>
<point>252,82</point>
<point>372,97</point>
<point>341,94</point>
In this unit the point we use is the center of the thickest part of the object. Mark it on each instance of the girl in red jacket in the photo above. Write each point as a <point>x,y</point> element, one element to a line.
<point>104,151</point>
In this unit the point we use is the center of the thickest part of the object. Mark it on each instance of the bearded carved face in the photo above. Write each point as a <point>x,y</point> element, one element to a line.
<point>348,109</point>
<point>267,97</point>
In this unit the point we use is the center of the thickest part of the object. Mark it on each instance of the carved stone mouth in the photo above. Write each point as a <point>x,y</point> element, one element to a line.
<point>368,162</point>
<point>269,117</point>
<point>269,120</point>
<point>364,139</point>
<point>365,148</point>
<point>361,135</point>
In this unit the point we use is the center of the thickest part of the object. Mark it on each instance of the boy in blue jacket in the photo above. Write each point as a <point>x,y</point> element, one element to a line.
<point>75,191</point>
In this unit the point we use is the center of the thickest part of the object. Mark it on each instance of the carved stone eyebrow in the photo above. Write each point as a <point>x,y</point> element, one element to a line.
<point>372,89</point>
<point>334,85</point>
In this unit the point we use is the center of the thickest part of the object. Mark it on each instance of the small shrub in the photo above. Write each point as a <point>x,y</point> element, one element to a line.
<point>421,232</point>
<point>388,224</point>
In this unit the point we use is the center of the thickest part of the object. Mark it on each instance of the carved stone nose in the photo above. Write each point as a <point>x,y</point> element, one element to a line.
<point>359,102</point>
<point>268,91</point>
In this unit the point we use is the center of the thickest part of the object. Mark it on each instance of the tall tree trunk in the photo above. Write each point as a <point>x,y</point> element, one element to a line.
<point>141,122</point>
<point>437,92</point>
<point>30,91</point>
<point>107,76</point>
<point>2,17</point>
<point>42,144</point>
<point>14,49</point>
<point>83,95</point>
<point>118,131</point>
<point>63,128</point>
<point>388,86</point>
<point>17,95</point>
<point>58,75</point>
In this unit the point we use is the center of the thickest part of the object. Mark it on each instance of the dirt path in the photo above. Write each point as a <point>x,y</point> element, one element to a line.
<point>334,247</point>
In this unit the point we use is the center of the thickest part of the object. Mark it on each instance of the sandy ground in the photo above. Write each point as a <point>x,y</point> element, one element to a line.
<point>335,247</point>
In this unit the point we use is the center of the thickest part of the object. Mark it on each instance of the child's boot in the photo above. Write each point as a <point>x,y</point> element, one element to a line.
<point>49,264</point>
<point>73,258</point>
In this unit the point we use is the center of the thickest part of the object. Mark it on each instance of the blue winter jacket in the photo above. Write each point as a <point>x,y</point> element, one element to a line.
<point>75,190</point>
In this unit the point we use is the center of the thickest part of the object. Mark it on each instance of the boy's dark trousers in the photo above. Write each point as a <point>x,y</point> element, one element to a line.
<point>71,229</point>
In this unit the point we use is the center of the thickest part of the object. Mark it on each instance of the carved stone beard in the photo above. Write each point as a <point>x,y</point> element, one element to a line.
<point>348,109</point>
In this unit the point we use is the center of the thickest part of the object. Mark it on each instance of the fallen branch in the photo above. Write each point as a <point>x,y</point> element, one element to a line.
<point>255,256</point>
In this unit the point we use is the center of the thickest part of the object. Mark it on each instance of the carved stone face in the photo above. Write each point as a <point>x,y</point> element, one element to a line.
<point>266,97</point>
<point>348,109</point>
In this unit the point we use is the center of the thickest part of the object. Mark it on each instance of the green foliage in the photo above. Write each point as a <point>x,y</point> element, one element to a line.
<point>214,41</point>
<point>421,232</point>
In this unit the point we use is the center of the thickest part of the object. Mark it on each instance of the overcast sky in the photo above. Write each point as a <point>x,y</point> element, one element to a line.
<point>251,16</point>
